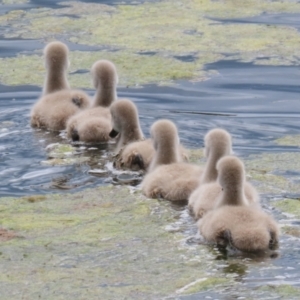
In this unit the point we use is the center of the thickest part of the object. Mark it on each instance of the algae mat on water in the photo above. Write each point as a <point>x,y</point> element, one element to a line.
<point>269,172</point>
<point>113,243</point>
<point>152,42</point>
<point>103,243</point>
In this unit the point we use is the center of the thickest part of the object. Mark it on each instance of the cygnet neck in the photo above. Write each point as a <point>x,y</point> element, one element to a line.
<point>210,173</point>
<point>130,133</point>
<point>166,153</point>
<point>105,96</point>
<point>56,80</point>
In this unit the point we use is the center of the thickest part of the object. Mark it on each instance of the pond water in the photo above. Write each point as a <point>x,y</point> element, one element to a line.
<point>256,104</point>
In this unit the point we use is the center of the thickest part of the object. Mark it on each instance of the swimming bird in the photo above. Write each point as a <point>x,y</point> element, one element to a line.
<point>218,143</point>
<point>168,177</point>
<point>133,150</point>
<point>234,222</point>
<point>53,110</point>
<point>94,124</point>
<point>58,102</point>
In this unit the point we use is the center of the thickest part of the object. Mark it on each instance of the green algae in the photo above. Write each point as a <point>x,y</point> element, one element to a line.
<point>289,140</point>
<point>196,155</point>
<point>133,69</point>
<point>285,291</point>
<point>267,170</point>
<point>290,230</point>
<point>290,206</point>
<point>270,183</point>
<point>63,154</point>
<point>35,198</point>
<point>168,30</point>
<point>94,237</point>
<point>282,161</point>
<point>60,150</point>
<point>91,239</point>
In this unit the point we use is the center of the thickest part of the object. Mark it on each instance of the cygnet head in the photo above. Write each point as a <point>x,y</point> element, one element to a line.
<point>56,63</point>
<point>217,144</point>
<point>231,177</point>
<point>164,133</point>
<point>166,142</point>
<point>231,172</point>
<point>125,121</point>
<point>105,80</point>
<point>56,56</point>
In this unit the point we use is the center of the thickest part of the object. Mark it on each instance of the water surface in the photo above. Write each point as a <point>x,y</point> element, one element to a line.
<point>256,104</point>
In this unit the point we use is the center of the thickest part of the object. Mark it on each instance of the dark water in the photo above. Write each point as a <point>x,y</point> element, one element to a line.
<point>256,104</point>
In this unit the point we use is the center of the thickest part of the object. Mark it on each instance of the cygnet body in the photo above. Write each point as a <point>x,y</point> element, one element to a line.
<point>53,110</point>
<point>58,102</point>
<point>133,151</point>
<point>234,222</point>
<point>217,145</point>
<point>168,177</point>
<point>94,124</point>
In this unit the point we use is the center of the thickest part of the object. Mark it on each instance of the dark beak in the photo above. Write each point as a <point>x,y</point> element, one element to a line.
<point>113,133</point>
<point>76,101</point>
<point>75,135</point>
<point>138,160</point>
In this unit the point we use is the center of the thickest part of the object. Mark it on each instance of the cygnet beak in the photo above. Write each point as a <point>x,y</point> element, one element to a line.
<point>75,136</point>
<point>77,101</point>
<point>113,133</point>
